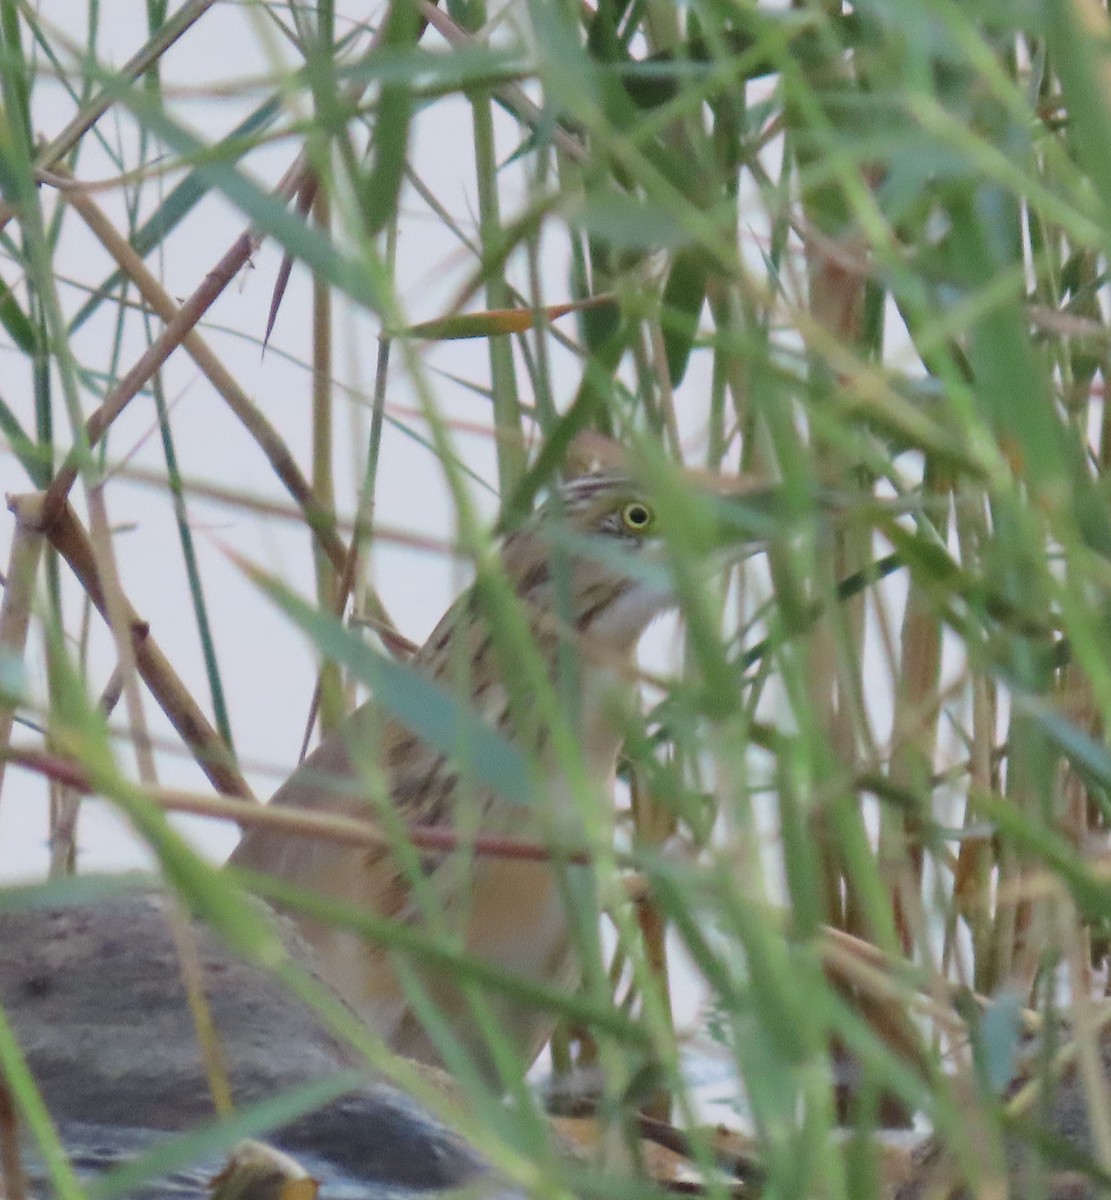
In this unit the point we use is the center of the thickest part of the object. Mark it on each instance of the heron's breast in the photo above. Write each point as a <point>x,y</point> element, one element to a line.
<point>517,920</point>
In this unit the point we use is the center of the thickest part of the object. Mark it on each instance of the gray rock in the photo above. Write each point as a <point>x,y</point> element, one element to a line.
<point>95,996</point>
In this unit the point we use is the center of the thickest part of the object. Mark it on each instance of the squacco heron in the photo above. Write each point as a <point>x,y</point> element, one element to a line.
<point>573,590</point>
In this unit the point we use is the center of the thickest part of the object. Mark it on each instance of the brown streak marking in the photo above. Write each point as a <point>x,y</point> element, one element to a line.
<point>591,613</point>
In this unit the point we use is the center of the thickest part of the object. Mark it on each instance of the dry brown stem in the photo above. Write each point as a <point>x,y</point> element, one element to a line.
<point>121,621</point>
<point>327,826</point>
<point>15,614</point>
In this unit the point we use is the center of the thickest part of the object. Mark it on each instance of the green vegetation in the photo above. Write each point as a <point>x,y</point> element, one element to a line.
<point>857,258</point>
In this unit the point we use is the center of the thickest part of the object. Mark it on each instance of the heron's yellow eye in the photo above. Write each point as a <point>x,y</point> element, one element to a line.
<point>637,517</point>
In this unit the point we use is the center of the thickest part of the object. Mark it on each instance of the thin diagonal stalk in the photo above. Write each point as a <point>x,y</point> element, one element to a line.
<point>192,568</point>
<point>332,706</point>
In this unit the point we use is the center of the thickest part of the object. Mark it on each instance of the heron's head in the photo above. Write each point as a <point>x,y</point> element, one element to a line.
<point>592,554</point>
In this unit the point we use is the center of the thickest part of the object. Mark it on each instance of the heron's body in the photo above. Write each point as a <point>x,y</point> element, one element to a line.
<point>508,912</point>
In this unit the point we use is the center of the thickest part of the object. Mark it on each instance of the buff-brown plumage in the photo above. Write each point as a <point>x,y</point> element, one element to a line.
<point>509,912</point>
